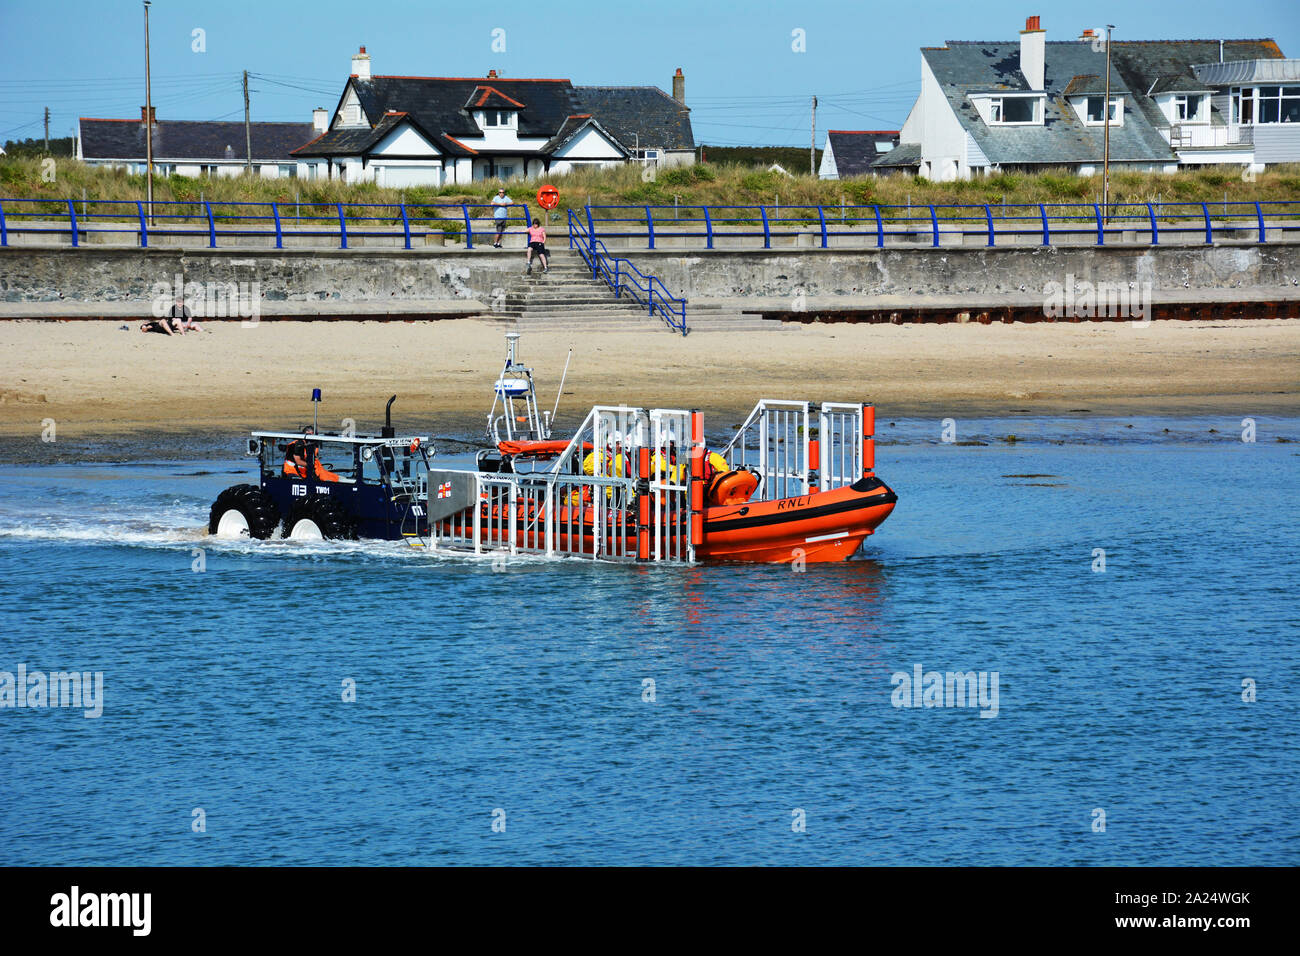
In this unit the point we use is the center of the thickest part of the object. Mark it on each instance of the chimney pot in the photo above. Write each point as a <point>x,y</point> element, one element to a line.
<point>1031,23</point>
<point>149,114</point>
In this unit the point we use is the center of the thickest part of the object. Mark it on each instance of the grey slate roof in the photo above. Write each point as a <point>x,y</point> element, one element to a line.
<point>439,103</point>
<point>175,140</point>
<point>643,115</point>
<point>441,107</point>
<point>855,150</point>
<point>1084,85</point>
<point>575,124</point>
<point>1147,63</point>
<point>359,140</point>
<point>900,157</point>
<point>1179,83</point>
<point>1063,138</point>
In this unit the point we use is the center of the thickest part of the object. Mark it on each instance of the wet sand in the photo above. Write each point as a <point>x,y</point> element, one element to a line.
<point>99,383</point>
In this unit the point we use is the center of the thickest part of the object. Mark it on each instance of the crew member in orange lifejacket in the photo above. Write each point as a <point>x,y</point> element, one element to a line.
<point>714,465</point>
<point>295,458</point>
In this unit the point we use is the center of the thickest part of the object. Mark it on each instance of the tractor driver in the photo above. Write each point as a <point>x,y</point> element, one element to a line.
<point>295,458</point>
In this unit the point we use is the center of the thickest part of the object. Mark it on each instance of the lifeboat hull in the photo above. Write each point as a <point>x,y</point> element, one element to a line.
<point>822,526</point>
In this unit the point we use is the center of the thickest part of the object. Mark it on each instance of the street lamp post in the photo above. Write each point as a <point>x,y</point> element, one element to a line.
<point>1105,158</point>
<point>148,118</point>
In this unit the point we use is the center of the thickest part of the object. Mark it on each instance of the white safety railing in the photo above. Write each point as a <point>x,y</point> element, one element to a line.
<point>773,442</point>
<point>839,443</point>
<point>589,502</point>
<point>670,482</point>
<point>793,456</point>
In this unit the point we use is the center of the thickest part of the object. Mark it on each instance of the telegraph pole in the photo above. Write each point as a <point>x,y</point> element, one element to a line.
<point>148,118</point>
<point>47,131</point>
<point>1105,158</point>
<point>812,149</point>
<point>248,131</point>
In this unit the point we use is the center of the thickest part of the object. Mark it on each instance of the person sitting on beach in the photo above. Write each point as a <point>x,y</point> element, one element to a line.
<point>501,214</point>
<point>182,318</point>
<point>536,244</point>
<point>295,458</point>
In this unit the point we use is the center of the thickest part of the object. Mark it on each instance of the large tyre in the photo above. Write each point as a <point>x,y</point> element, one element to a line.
<point>320,517</point>
<point>243,511</point>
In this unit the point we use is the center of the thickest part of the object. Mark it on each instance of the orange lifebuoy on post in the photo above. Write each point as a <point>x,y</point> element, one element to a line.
<point>548,197</point>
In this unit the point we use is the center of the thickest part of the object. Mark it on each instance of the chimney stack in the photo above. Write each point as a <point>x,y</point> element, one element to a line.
<point>149,114</point>
<point>1033,53</point>
<point>1088,34</point>
<point>679,87</point>
<point>492,75</point>
<point>319,119</point>
<point>361,64</point>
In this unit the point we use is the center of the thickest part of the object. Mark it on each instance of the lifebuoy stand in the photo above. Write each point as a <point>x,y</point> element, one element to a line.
<point>868,439</point>
<point>697,479</point>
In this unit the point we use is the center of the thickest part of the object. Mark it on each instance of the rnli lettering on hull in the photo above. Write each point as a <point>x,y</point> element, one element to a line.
<point>786,503</point>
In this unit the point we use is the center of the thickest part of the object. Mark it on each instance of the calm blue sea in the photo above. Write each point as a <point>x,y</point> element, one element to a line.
<point>520,696</point>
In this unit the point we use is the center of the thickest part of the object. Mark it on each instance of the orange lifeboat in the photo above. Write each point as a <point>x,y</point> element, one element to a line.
<point>822,526</point>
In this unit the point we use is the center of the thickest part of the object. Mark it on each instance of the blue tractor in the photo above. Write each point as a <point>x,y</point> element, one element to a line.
<point>341,486</point>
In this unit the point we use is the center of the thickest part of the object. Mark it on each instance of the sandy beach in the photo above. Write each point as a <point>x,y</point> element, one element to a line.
<point>96,380</point>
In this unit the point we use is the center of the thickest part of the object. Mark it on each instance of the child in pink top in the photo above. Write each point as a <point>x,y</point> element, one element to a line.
<point>537,244</point>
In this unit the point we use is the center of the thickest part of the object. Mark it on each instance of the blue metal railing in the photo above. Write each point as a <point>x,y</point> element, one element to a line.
<point>879,225</point>
<point>883,225</point>
<point>210,220</point>
<point>622,276</point>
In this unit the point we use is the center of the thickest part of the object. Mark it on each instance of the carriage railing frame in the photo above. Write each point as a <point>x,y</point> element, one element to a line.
<point>800,447</point>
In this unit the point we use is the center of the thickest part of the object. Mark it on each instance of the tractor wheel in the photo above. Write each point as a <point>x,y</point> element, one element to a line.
<point>320,517</point>
<point>243,511</point>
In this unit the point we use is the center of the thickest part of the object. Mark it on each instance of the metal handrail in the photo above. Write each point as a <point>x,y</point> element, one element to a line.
<point>929,223</point>
<point>1143,221</point>
<point>620,274</point>
<point>211,219</point>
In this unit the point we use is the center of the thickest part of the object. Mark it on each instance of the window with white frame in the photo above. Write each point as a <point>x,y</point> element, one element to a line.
<point>1093,113</point>
<point>498,118</point>
<point>1015,110</point>
<point>1187,107</point>
<point>1258,105</point>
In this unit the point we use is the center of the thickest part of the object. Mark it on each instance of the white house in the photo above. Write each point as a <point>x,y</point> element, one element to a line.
<point>191,148</point>
<point>1034,104</point>
<point>409,130</point>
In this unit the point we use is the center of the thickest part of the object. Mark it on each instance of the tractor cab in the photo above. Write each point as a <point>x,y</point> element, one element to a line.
<point>325,485</point>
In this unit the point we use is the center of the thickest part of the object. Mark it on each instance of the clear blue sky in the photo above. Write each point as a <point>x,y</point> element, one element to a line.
<point>744,83</point>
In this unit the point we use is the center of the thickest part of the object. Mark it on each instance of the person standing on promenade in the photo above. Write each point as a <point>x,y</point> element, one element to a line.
<point>501,214</point>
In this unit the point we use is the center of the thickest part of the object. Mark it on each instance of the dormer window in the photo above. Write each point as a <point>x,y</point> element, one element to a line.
<point>1094,114</point>
<point>1013,110</point>
<point>499,118</point>
<point>1187,107</point>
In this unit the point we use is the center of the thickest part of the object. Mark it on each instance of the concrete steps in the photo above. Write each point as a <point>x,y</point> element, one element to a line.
<point>566,298</point>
